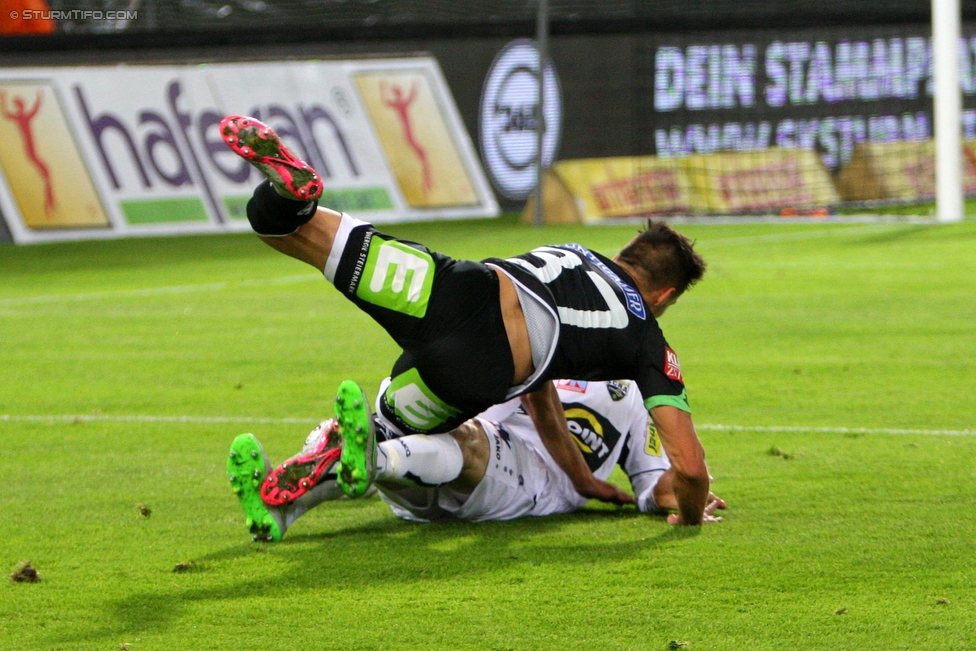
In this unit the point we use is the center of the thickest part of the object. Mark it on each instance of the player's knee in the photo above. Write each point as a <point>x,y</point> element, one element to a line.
<point>273,215</point>
<point>473,441</point>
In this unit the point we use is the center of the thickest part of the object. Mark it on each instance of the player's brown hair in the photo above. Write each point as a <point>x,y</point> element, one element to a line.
<point>665,256</point>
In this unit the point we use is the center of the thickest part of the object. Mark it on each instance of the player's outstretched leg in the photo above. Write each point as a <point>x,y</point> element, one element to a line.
<point>259,144</point>
<point>310,475</point>
<point>247,467</point>
<point>357,465</point>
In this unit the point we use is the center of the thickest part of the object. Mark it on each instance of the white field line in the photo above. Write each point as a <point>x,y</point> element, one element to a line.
<point>153,291</point>
<point>838,430</point>
<point>81,418</point>
<point>84,418</point>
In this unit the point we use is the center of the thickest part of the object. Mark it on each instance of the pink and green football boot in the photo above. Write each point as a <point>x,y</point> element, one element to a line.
<point>308,470</point>
<point>257,143</point>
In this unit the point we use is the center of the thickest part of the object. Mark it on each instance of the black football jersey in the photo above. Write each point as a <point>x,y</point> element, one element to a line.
<point>606,331</point>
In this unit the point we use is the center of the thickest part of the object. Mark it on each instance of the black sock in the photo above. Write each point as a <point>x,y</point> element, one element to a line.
<point>272,214</point>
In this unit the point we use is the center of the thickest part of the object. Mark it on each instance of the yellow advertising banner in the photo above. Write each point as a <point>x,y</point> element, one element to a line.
<point>899,171</point>
<point>622,187</point>
<point>769,181</point>
<point>410,126</point>
<point>41,161</point>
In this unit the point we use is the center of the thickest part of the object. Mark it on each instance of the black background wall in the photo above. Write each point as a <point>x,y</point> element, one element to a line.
<point>603,51</point>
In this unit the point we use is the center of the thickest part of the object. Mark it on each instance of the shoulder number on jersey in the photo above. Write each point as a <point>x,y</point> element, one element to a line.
<point>555,261</point>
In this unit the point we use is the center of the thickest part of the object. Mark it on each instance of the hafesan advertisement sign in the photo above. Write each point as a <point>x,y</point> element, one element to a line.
<point>97,152</point>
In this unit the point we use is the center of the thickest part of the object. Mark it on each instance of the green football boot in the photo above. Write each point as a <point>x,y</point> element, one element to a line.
<point>357,464</point>
<point>247,466</point>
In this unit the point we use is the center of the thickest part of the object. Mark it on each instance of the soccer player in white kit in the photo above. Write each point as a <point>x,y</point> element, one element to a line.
<point>520,478</point>
<point>494,467</point>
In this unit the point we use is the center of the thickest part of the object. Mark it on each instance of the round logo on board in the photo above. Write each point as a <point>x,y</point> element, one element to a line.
<point>509,119</point>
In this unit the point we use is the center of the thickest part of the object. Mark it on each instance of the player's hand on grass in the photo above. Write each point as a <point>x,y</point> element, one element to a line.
<point>713,504</point>
<point>605,492</point>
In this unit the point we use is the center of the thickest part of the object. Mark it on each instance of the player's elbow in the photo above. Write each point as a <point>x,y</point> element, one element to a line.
<point>694,472</point>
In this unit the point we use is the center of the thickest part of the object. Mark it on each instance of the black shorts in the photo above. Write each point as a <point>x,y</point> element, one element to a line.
<point>446,316</point>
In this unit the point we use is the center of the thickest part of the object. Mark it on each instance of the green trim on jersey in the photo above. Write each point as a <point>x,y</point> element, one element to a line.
<point>681,402</point>
<point>415,404</point>
<point>397,277</point>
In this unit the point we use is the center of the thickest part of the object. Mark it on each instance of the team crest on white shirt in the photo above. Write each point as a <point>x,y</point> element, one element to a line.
<point>618,389</point>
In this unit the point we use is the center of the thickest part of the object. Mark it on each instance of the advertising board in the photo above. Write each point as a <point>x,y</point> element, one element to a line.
<point>510,118</point>
<point>721,183</point>
<point>825,90</point>
<point>116,151</point>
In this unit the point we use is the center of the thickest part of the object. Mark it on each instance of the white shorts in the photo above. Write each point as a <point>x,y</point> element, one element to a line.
<point>517,483</point>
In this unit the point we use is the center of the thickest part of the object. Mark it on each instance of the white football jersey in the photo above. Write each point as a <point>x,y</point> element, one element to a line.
<point>611,426</point>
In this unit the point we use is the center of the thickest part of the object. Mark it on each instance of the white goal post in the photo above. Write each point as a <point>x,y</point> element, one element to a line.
<point>947,109</point>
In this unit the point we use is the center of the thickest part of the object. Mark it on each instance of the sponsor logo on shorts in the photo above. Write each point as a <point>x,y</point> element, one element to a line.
<point>618,389</point>
<point>505,436</point>
<point>577,386</point>
<point>672,368</point>
<point>416,405</point>
<point>357,271</point>
<point>406,450</point>
<point>400,278</point>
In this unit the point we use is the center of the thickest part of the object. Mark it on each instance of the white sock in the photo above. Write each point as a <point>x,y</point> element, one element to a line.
<point>420,460</point>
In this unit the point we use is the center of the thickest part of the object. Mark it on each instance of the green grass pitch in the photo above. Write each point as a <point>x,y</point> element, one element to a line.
<point>831,372</point>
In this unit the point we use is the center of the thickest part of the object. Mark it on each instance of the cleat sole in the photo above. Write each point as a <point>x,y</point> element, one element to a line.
<point>355,421</point>
<point>261,146</point>
<point>246,471</point>
<point>302,473</point>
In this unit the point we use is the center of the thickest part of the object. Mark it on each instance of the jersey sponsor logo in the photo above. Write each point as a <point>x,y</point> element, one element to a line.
<point>594,434</point>
<point>635,302</point>
<point>618,389</point>
<point>579,386</point>
<point>653,446</point>
<point>672,368</point>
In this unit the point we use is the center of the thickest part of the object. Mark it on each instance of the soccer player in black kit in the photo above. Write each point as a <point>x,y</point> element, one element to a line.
<point>475,334</point>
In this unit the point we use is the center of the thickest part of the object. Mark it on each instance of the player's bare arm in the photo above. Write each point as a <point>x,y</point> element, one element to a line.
<point>665,499</point>
<point>690,480</point>
<point>546,412</point>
